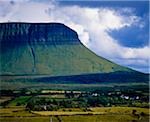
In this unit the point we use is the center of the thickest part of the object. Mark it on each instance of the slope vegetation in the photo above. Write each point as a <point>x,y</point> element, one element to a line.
<point>48,49</point>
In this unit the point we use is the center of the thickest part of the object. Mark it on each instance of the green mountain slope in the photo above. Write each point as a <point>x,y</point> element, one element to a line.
<point>47,49</point>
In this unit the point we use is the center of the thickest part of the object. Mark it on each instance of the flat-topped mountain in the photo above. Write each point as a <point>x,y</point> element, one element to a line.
<point>47,49</point>
<point>36,33</point>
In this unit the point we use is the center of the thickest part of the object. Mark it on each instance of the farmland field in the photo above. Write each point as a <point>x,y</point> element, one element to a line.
<point>19,101</point>
<point>101,103</point>
<point>110,114</point>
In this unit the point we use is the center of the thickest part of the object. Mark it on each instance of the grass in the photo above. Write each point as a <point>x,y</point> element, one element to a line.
<point>120,110</point>
<point>72,59</point>
<point>26,119</point>
<point>96,111</point>
<point>57,96</point>
<point>66,113</point>
<point>102,118</point>
<point>112,114</point>
<point>19,84</point>
<point>4,99</point>
<point>14,112</point>
<point>22,100</point>
<point>78,118</point>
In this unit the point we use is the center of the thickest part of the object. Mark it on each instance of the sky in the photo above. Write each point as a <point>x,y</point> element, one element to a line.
<point>116,30</point>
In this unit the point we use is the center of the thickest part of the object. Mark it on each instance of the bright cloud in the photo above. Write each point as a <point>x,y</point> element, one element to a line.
<point>91,24</point>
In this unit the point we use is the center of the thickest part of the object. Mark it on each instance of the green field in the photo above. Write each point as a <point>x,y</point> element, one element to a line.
<point>19,84</point>
<point>22,100</point>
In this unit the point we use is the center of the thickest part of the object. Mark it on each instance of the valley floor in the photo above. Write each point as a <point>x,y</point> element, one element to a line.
<point>76,103</point>
<point>98,114</point>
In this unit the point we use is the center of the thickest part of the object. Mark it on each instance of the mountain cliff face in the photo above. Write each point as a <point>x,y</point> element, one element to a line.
<point>37,33</point>
<point>47,49</point>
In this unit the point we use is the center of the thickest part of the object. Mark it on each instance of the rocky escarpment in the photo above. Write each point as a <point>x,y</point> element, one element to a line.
<point>34,33</point>
<point>47,49</point>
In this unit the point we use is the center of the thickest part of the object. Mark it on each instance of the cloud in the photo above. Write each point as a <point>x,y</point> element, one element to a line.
<point>24,11</point>
<point>92,25</point>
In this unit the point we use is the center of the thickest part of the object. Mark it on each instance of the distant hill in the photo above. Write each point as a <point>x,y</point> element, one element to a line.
<point>51,49</point>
